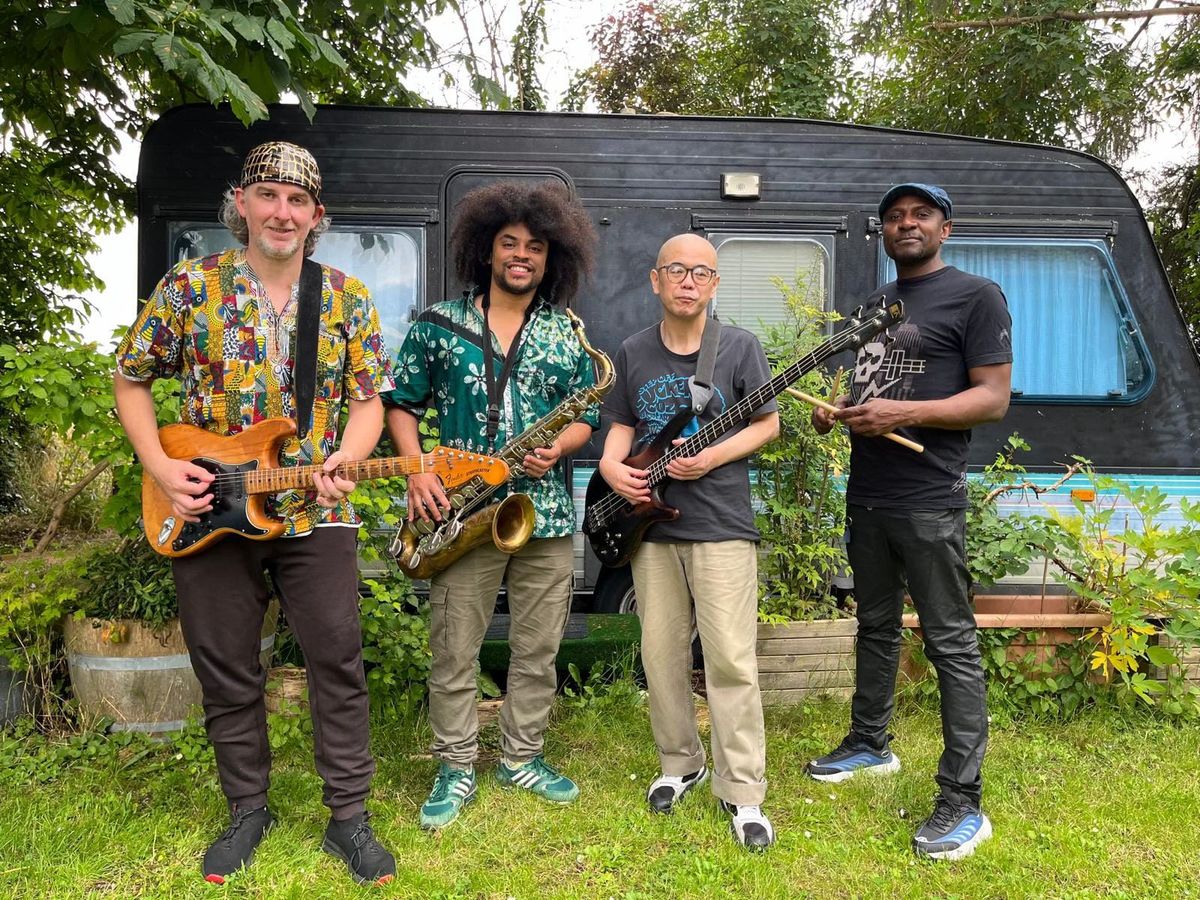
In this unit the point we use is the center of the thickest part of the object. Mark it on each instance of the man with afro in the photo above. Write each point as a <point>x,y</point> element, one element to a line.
<point>491,363</point>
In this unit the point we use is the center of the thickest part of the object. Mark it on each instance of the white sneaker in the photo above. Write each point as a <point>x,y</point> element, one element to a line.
<point>750,826</point>
<point>667,790</point>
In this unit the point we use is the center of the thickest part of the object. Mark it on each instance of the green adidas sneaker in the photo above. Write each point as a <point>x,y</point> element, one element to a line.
<point>538,777</point>
<point>452,790</point>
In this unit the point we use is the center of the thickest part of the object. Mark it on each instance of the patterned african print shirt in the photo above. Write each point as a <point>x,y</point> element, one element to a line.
<point>440,365</point>
<point>210,323</point>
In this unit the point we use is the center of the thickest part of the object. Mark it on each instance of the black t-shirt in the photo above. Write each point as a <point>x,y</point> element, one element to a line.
<point>651,387</point>
<point>954,321</point>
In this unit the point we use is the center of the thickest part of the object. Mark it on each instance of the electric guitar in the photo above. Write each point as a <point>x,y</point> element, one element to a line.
<point>614,526</point>
<point>246,469</point>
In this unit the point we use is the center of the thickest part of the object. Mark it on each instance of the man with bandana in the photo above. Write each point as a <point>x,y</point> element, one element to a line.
<point>225,325</point>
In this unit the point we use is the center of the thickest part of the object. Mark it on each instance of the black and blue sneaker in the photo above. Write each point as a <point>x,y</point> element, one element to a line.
<point>954,830</point>
<point>854,755</point>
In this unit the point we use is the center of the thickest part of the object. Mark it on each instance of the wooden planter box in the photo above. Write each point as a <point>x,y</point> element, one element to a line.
<point>804,659</point>
<point>1047,622</point>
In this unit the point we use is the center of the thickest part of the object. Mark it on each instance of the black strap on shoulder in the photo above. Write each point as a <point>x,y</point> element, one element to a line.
<point>308,324</point>
<point>495,386</point>
<point>701,384</point>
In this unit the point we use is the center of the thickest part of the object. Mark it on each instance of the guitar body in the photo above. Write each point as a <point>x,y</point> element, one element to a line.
<point>234,511</point>
<point>615,540</point>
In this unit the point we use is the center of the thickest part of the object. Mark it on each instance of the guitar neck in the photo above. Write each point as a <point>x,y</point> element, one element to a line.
<point>744,408</point>
<point>274,480</point>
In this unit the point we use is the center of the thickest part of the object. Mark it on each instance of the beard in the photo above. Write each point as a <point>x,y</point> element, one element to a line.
<point>276,251</point>
<point>501,280</point>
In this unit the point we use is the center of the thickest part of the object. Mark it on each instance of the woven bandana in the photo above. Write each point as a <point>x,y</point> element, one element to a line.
<point>285,163</point>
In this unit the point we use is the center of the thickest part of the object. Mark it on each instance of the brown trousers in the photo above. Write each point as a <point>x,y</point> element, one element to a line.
<point>222,600</point>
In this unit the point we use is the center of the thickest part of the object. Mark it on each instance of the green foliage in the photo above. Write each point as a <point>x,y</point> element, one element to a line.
<point>128,580</point>
<point>1175,216</point>
<point>395,640</point>
<point>77,78</point>
<point>527,45</point>
<point>715,57</point>
<point>1068,83</point>
<point>998,546</point>
<point>35,593</point>
<point>802,512</point>
<point>1118,557</point>
<point>605,686</point>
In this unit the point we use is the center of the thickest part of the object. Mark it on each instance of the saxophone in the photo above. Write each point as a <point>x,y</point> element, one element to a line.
<point>424,548</point>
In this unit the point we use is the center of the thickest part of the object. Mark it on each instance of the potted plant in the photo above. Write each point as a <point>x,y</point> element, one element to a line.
<point>805,636</point>
<point>125,649</point>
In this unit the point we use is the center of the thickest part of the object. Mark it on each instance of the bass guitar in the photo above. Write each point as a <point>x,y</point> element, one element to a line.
<point>614,526</point>
<point>246,471</point>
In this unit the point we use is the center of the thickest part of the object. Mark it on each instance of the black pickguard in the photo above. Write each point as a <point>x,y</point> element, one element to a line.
<point>229,504</point>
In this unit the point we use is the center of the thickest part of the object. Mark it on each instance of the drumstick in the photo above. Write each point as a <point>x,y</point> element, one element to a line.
<point>829,407</point>
<point>836,387</point>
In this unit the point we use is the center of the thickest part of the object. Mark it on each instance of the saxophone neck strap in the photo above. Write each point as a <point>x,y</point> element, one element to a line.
<point>496,384</point>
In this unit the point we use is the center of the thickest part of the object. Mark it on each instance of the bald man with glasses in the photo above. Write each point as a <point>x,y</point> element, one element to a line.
<point>706,560</point>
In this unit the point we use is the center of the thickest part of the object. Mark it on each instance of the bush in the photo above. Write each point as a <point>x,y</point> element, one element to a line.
<point>128,580</point>
<point>802,512</point>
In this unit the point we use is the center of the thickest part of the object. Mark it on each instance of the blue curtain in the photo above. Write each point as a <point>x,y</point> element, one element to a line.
<point>1067,334</point>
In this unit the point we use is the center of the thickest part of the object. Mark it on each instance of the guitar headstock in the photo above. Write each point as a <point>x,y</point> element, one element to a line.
<point>456,467</point>
<point>866,323</point>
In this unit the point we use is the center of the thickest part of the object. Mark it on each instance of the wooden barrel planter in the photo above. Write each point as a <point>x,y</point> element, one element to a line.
<point>805,659</point>
<point>139,677</point>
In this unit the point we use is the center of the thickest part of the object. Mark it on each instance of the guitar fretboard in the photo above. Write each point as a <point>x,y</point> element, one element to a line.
<point>844,340</point>
<point>273,480</point>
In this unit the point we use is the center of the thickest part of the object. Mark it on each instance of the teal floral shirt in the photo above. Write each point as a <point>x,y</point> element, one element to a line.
<point>440,365</point>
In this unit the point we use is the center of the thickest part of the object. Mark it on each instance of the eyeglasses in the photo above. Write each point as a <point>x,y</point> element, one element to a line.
<point>701,275</point>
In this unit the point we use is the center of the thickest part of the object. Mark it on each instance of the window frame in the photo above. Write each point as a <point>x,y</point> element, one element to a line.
<point>826,241</point>
<point>1128,322</point>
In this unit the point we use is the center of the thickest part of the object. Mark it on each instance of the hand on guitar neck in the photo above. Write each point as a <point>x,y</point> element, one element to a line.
<point>331,488</point>
<point>689,468</point>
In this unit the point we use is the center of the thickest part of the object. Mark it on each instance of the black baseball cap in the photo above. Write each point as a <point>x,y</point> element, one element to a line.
<point>930,192</point>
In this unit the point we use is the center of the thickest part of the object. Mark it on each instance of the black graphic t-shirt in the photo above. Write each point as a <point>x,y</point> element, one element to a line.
<point>651,386</point>
<point>954,321</point>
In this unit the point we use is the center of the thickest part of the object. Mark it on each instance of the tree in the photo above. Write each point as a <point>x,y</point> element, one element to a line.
<point>716,57</point>
<point>74,78</point>
<point>1062,82</point>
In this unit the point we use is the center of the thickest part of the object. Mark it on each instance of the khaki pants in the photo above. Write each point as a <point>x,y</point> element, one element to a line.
<point>720,579</point>
<point>461,602</point>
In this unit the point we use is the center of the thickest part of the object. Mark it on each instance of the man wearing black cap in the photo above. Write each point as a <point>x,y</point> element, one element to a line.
<point>226,326</point>
<point>944,370</point>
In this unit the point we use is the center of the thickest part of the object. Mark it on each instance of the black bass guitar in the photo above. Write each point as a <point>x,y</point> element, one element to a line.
<point>614,526</point>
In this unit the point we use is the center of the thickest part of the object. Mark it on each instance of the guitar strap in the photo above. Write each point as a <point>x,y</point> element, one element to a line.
<point>701,384</point>
<point>308,325</point>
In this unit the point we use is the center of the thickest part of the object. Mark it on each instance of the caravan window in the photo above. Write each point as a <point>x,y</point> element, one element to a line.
<point>748,296</point>
<point>389,261</point>
<point>1075,339</point>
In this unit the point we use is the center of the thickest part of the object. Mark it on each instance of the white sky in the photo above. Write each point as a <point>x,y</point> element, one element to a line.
<point>568,48</point>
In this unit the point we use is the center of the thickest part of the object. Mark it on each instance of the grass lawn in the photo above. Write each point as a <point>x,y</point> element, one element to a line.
<point>1103,806</point>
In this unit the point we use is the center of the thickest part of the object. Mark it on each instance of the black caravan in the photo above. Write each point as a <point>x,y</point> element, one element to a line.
<point>1104,367</point>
